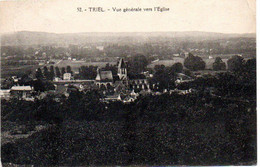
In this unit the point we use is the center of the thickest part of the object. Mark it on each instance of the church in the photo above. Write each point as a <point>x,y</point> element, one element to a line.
<point>123,80</point>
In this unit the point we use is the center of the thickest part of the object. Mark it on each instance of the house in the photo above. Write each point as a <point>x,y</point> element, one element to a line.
<point>22,92</point>
<point>183,78</point>
<point>57,79</point>
<point>67,76</point>
<point>15,78</point>
<point>182,92</point>
<point>5,94</point>
<point>112,98</point>
<point>104,78</point>
<point>121,87</point>
<point>129,99</point>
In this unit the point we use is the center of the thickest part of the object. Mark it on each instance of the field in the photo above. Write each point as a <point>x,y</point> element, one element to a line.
<point>167,63</point>
<point>75,65</point>
<point>7,71</point>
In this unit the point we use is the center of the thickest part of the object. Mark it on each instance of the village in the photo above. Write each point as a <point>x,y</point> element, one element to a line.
<point>120,87</point>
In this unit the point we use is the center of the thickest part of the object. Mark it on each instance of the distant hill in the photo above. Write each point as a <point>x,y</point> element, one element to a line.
<point>44,38</point>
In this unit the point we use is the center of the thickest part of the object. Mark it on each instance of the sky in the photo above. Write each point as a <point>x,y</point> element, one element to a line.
<point>61,16</point>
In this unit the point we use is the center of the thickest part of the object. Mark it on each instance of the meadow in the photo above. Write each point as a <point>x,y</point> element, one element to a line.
<point>75,65</point>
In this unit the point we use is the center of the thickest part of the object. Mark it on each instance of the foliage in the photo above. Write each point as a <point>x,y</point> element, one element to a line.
<point>52,73</point>
<point>137,64</point>
<point>112,68</point>
<point>177,67</point>
<point>57,70</point>
<point>200,128</point>
<point>46,73</point>
<point>164,77</point>
<point>68,69</point>
<point>219,64</point>
<point>194,63</point>
<point>63,71</point>
<point>42,85</point>
<point>187,72</point>
<point>142,132</point>
<point>235,63</point>
<point>39,74</point>
<point>7,83</point>
<point>250,65</point>
<point>87,72</point>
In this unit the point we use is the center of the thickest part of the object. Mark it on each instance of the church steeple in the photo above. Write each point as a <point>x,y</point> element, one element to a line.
<point>122,71</point>
<point>98,77</point>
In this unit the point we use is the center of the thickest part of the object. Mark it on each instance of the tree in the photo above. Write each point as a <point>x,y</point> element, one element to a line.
<point>137,64</point>
<point>177,67</point>
<point>86,72</point>
<point>58,74</point>
<point>63,71</point>
<point>39,74</point>
<point>8,83</point>
<point>25,80</point>
<point>112,68</point>
<point>250,65</point>
<point>69,69</point>
<point>235,63</point>
<point>46,72</point>
<point>164,77</point>
<point>51,74</point>
<point>194,63</point>
<point>172,75</point>
<point>39,85</point>
<point>187,72</point>
<point>219,64</point>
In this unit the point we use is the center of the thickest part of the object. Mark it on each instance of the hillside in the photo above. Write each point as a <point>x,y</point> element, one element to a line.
<point>44,38</point>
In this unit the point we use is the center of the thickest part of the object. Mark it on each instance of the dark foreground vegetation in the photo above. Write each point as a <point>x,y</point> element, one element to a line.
<point>201,128</point>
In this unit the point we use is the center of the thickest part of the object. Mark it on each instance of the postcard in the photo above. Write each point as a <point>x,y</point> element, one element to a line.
<point>123,83</point>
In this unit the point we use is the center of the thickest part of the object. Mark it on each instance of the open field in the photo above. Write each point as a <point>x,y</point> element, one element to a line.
<point>75,65</point>
<point>167,63</point>
<point>7,71</point>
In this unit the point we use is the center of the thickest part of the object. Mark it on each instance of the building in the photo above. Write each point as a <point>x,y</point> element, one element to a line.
<point>104,78</point>
<point>67,76</point>
<point>22,92</point>
<point>5,94</point>
<point>112,98</point>
<point>122,80</point>
<point>183,78</point>
<point>122,70</point>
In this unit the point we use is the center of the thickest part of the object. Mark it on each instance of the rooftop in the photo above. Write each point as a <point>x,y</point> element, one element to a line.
<point>121,64</point>
<point>105,76</point>
<point>25,88</point>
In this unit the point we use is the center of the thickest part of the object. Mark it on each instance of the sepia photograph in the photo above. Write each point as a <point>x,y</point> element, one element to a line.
<point>128,83</point>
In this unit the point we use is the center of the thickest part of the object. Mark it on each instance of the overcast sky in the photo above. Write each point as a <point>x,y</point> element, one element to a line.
<point>61,16</point>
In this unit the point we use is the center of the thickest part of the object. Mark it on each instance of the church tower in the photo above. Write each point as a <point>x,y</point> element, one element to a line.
<point>122,71</point>
<point>98,77</point>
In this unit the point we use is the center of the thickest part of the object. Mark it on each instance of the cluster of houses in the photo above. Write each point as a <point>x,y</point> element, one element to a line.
<point>120,87</point>
<point>20,92</point>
